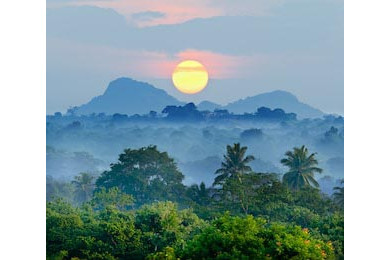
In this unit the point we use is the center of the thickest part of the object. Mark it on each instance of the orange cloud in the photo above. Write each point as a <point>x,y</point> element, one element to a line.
<point>179,11</point>
<point>219,66</point>
<point>175,11</point>
<point>148,64</point>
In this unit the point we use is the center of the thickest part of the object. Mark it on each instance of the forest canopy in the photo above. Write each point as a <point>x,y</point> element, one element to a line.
<point>140,209</point>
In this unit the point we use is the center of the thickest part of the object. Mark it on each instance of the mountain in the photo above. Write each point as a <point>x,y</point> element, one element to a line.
<point>275,99</point>
<point>128,96</point>
<point>207,105</point>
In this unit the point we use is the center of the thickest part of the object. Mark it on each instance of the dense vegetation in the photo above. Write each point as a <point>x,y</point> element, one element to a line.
<point>189,112</point>
<point>140,209</point>
<point>90,143</point>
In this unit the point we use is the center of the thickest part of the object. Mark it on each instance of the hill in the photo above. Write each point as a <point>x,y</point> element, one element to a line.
<point>128,96</point>
<point>275,99</point>
<point>207,105</point>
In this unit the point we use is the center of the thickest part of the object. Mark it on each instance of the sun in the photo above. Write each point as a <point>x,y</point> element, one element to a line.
<point>190,77</point>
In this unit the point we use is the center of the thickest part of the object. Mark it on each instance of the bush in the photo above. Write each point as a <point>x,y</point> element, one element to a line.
<point>252,238</point>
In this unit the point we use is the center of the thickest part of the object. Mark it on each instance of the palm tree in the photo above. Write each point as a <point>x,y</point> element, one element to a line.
<point>84,184</point>
<point>199,194</point>
<point>302,168</point>
<point>234,164</point>
<point>338,195</point>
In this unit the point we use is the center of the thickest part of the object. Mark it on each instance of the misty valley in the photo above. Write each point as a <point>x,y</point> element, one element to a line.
<point>90,143</point>
<point>185,182</point>
<point>90,137</point>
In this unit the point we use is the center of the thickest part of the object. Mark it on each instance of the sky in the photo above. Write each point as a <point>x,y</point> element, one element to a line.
<point>248,47</point>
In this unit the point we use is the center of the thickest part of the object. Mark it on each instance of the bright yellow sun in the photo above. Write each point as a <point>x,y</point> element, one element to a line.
<point>190,77</point>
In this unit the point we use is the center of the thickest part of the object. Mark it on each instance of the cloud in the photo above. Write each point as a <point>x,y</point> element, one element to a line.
<point>146,64</point>
<point>175,11</point>
<point>318,29</point>
<point>64,3</point>
<point>180,11</point>
<point>147,16</point>
<point>184,10</point>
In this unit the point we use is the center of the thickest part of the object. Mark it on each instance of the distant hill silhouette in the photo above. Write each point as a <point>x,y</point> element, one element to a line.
<point>275,99</point>
<point>128,96</point>
<point>207,105</point>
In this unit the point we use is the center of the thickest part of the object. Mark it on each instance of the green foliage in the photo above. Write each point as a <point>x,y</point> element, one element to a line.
<point>168,253</point>
<point>112,232</point>
<point>338,196</point>
<point>63,226</point>
<point>84,185</point>
<point>302,167</point>
<point>111,197</point>
<point>79,233</point>
<point>331,228</point>
<point>163,225</point>
<point>147,174</point>
<point>314,200</point>
<point>293,242</point>
<point>243,193</point>
<point>234,164</point>
<point>199,194</point>
<point>56,189</point>
<point>269,220</point>
<point>161,231</point>
<point>227,238</point>
<point>252,238</point>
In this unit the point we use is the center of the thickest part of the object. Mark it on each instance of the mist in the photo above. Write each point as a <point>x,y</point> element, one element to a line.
<point>91,143</point>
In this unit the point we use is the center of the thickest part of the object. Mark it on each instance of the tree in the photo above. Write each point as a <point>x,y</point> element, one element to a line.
<point>248,195</point>
<point>188,112</point>
<point>234,164</point>
<point>253,238</point>
<point>168,253</point>
<point>266,113</point>
<point>84,185</point>
<point>147,174</point>
<point>333,136</point>
<point>79,233</point>
<point>232,177</point>
<point>162,225</point>
<point>199,194</point>
<point>302,167</point>
<point>111,197</point>
<point>251,134</point>
<point>152,114</point>
<point>338,195</point>
<point>58,189</point>
<point>313,199</point>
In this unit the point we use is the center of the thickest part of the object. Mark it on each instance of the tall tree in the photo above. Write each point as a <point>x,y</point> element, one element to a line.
<point>338,195</point>
<point>111,197</point>
<point>199,193</point>
<point>84,185</point>
<point>234,164</point>
<point>147,174</point>
<point>302,167</point>
<point>247,194</point>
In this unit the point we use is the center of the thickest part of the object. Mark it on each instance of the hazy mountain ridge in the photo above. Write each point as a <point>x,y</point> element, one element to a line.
<point>275,99</point>
<point>208,105</point>
<point>128,96</point>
